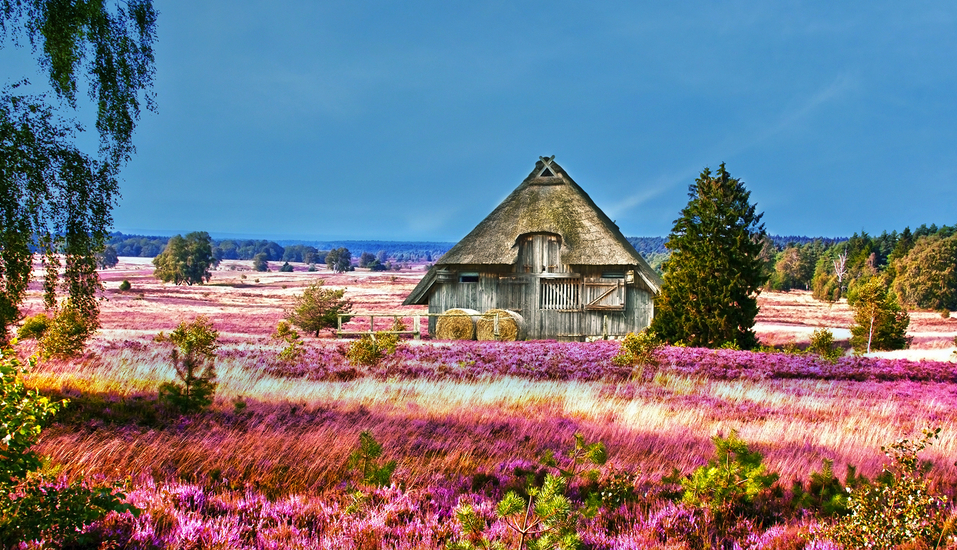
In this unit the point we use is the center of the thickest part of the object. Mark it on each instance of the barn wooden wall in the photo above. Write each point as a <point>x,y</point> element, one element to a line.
<point>521,292</point>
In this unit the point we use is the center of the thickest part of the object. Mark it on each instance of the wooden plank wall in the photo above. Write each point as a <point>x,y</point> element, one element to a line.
<point>522,293</point>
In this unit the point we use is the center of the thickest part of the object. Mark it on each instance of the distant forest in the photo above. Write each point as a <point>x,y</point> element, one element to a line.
<point>147,246</point>
<point>652,248</point>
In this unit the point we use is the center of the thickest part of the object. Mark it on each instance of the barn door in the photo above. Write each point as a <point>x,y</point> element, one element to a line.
<point>607,295</point>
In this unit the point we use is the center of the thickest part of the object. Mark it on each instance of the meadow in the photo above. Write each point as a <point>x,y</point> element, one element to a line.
<point>266,466</point>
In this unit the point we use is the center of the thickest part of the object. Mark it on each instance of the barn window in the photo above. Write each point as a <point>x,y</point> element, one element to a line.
<point>613,275</point>
<point>540,253</point>
<point>559,294</point>
<point>469,277</point>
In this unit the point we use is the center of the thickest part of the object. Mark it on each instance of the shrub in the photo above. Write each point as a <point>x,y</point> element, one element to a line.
<point>822,344</point>
<point>125,285</point>
<point>67,334</point>
<point>371,348</point>
<point>260,262</point>
<point>728,485</point>
<point>286,268</point>
<point>639,349</point>
<point>824,495</point>
<point>318,308</point>
<point>33,507</point>
<point>34,327</point>
<point>294,348</point>
<point>192,355</point>
<point>365,461</point>
<point>547,518</point>
<point>898,508</point>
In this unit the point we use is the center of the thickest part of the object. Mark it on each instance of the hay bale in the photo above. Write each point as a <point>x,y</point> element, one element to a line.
<point>511,326</point>
<point>456,324</point>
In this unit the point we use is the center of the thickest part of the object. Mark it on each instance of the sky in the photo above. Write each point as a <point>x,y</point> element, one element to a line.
<point>412,120</point>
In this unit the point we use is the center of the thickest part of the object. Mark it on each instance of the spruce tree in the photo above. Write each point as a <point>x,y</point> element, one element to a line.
<point>714,274</point>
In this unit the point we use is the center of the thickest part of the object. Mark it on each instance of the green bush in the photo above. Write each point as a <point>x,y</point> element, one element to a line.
<point>286,268</point>
<point>822,344</point>
<point>639,349</point>
<point>371,348</point>
<point>193,358</point>
<point>294,348</point>
<point>898,508</point>
<point>125,285</point>
<point>34,327</point>
<point>35,505</point>
<point>825,495</point>
<point>67,334</point>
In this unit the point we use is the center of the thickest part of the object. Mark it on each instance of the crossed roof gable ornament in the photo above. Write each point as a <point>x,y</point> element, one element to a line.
<point>546,171</point>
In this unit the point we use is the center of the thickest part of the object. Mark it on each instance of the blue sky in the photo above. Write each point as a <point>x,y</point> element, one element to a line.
<point>413,120</point>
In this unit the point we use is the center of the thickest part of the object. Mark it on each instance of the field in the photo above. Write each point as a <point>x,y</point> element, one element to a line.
<point>266,466</point>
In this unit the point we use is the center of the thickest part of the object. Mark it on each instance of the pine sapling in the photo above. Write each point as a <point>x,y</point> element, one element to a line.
<point>193,355</point>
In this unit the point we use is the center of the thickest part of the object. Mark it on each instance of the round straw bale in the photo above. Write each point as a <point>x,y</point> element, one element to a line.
<point>511,326</point>
<point>456,324</point>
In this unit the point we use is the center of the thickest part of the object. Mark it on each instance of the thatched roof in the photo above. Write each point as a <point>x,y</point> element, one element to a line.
<point>548,201</point>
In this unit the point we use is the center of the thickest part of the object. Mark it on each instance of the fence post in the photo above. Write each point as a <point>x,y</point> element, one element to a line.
<point>495,332</point>
<point>418,327</point>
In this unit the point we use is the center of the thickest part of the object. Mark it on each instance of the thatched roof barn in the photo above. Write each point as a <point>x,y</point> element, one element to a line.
<point>550,254</point>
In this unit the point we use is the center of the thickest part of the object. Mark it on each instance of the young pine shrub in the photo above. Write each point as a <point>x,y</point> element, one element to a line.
<point>365,461</point>
<point>898,508</point>
<point>825,495</point>
<point>34,327</point>
<point>729,485</point>
<point>193,355</point>
<point>294,349</point>
<point>548,517</point>
<point>125,286</point>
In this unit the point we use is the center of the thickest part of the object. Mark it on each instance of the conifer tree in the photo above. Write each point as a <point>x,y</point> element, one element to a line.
<point>711,282</point>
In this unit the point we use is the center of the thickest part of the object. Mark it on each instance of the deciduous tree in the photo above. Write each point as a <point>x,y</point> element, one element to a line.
<point>711,282</point>
<point>54,198</point>
<point>186,260</point>
<point>108,258</point>
<point>879,322</point>
<point>339,260</point>
<point>927,275</point>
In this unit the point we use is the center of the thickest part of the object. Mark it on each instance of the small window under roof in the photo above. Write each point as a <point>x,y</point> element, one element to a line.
<point>469,277</point>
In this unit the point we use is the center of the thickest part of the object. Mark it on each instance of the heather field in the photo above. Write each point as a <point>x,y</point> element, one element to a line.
<point>266,466</point>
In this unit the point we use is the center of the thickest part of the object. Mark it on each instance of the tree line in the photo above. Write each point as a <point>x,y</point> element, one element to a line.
<point>312,252</point>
